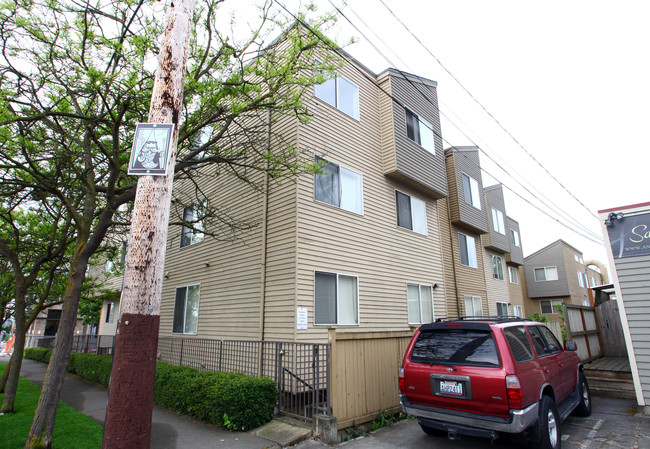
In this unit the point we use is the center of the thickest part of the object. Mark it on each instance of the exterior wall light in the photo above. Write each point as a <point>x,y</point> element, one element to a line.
<point>612,217</point>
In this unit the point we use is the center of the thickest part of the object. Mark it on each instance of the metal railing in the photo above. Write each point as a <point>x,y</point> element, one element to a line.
<point>300,370</point>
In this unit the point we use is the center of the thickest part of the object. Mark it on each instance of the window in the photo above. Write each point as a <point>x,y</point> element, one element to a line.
<point>502,308</point>
<point>593,281</point>
<point>581,283</point>
<point>517,311</point>
<point>467,250</point>
<point>411,213</point>
<point>193,216</point>
<point>420,303</point>
<point>110,266</point>
<point>549,305</point>
<point>545,274</point>
<point>586,303</point>
<point>341,94</point>
<point>544,341</point>
<point>335,299</point>
<point>577,259</point>
<point>339,186</point>
<point>473,306</point>
<point>186,309</point>
<point>110,312</point>
<point>125,245</point>
<point>420,131</point>
<point>470,187</point>
<point>519,343</point>
<point>497,267</point>
<point>513,274</point>
<point>497,221</point>
<point>514,238</point>
<point>456,346</point>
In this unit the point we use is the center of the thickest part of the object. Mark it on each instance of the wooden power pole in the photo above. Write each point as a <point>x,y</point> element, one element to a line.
<point>130,399</point>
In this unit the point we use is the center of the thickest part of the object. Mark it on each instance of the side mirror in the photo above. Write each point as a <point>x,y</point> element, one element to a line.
<point>570,345</point>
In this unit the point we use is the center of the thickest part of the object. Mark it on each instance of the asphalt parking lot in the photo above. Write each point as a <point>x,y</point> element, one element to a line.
<point>614,423</point>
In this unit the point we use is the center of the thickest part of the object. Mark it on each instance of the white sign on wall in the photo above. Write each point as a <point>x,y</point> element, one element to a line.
<point>301,318</point>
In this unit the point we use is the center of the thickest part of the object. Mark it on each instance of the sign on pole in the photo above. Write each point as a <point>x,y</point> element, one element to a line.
<point>150,151</point>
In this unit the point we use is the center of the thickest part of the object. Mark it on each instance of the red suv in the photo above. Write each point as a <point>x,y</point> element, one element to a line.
<point>482,376</point>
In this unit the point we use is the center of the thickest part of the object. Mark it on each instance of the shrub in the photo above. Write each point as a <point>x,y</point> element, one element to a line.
<point>91,367</point>
<point>38,354</point>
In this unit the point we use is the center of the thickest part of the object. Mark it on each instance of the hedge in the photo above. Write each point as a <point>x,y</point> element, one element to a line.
<point>229,400</point>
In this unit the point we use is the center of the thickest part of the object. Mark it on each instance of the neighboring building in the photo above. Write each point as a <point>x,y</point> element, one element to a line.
<point>557,274</point>
<point>627,231</point>
<point>43,330</point>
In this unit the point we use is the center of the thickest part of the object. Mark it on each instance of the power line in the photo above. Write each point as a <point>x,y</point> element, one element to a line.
<point>485,110</point>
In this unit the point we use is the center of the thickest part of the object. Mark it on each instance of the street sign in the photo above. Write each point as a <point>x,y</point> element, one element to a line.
<point>150,151</point>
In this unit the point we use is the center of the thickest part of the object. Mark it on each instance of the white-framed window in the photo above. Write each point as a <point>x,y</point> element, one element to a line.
<point>110,312</point>
<point>513,274</point>
<point>545,274</point>
<point>336,298</point>
<point>517,311</point>
<point>340,93</point>
<point>593,281</point>
<point>576,258</point>
<point>581,283</point>
<point>580,260</point>
<point>110,266</point>
<point>586,303</point>
<point>502,309</point>
<point>193,214</point>
<point>586,280</point>
<point>467,245</point>
<point>411,213</point>
<point>420,131</point>
<point>186,309</point>
<point>473,306</point>
<point>471,190</point>
<point>497,267</point>
<point>497,221</point>
<point>339,186</point>
<point>420,303</point>
<point>549,305</point>
<point>514,238</point>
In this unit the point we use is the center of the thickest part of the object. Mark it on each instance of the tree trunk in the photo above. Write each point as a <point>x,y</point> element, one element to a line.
<point>17,357</point>
<point>5,375</point>
<point>40,434</point>
<point>131,393</point>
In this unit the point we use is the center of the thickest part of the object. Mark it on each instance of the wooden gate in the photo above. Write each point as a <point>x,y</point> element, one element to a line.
<point>582,327</point>
<point>611,330</point>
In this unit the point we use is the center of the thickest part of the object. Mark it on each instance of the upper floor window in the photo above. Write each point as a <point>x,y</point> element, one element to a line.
<point>513,273</point>
<point>473,306</point>
<point>193,215</point>
<point>341,94</point>
<point>110,312</point>
<point>497,221</point>
<point>497,267</point>
<point>549,305</point>
<point>467,246</point>
<point>514,238</point>
<point>502,308</point>
<point>339,186</point>
<point>420,131</point>
<point>336,299</point>
<point>420,303</point>
<point>411,213</point>
<point>546,274</point>
<point>470,187</point>
<point>581,283</point>
<point>186,309</point>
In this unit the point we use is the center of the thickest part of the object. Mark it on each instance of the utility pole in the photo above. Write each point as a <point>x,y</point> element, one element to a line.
<point>130,399</point>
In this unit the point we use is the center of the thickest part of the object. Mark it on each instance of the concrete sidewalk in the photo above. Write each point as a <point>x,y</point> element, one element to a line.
<point>169,430</point>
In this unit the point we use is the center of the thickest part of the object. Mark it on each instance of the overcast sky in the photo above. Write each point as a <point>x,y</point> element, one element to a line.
<point>570,80</point>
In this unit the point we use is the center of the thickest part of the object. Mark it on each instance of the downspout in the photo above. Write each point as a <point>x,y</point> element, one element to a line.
<point>265,218</point>
<point>453,257</point>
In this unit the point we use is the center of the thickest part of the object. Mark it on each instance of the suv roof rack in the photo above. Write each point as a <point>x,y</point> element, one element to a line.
<point>498,318</point>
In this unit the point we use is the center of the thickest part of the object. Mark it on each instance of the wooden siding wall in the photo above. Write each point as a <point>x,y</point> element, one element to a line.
<point>448,262</point>
<point>494,199</point>
<point>365,374</point>
<point>547,257</point>
<point>515,253</point>
<point>459,161</point>
<point>371,246</point>
<point>578,294</point>
<point>497,289</point>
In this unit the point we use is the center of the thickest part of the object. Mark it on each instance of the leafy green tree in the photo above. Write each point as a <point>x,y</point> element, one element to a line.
<point>75,78</point>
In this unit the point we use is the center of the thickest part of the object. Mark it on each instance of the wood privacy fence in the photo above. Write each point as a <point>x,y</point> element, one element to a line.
<point>582,327</point>
<point>364,371</point>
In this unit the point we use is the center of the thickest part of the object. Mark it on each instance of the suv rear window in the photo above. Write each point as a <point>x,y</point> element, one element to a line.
<point>519,343</point>
<point>457,346</point>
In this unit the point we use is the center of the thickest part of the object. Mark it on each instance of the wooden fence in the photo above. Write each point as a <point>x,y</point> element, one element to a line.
<point>582,327</point>
<point>364,371</point>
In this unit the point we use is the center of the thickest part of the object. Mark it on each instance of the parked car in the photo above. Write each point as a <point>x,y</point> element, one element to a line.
<point>482,376</point>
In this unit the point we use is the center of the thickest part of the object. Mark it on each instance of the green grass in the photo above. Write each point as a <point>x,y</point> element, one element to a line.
<point>72,429</point>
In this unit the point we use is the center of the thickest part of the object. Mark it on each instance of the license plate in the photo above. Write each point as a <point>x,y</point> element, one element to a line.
<point>448,387</point>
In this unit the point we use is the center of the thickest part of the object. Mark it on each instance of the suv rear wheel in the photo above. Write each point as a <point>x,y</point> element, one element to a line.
<point>584,408</point>
<point>549,425</point>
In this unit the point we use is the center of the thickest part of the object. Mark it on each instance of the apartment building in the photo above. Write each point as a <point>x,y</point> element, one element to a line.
<point>557,274</point>
<point>483,246</point>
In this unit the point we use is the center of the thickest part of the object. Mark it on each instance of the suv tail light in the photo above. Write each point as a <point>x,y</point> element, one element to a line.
<point>513,387</point>
<point>401,380</point>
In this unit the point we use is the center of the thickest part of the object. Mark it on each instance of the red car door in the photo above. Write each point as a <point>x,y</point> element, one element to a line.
<point>549,360</point>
